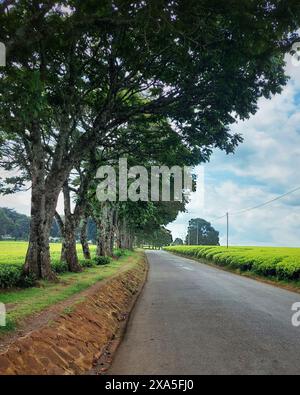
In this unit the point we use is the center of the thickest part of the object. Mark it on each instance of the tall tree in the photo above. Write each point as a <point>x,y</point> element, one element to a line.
<point>201,232</point>
<point>177,242</point>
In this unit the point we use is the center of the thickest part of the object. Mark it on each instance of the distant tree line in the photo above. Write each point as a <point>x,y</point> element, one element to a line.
<point>16,226</point>
<point>13,224</point>
<point>156,239</point>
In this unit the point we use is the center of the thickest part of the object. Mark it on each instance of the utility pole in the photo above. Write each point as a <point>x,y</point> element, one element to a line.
<point>197,234</point>
<point>227,216</point>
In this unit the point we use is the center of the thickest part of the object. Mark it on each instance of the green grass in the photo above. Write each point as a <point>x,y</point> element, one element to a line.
<point>279,263</point>
<point>26,302</point>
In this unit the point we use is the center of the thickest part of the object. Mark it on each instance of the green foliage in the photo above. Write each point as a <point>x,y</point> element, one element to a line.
<point>119,253</point>
<point>25,302</point>
<point>13,224</point>
<point>87,263</point>
<point>101,260</point>
<point>177,242</point>
<point>155,236</point>
<point>199,64</point>
<point>17,225</point>
<point>11,260</point>
<point>12,252</point>
<point>200,232</point>
<point>26,281</point>
<point>59,266</point>
<point>11,276</point>
<point>282,263</point>
<point>289,269</point>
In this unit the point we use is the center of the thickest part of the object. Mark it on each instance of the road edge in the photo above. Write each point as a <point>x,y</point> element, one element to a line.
<point>106,360</point>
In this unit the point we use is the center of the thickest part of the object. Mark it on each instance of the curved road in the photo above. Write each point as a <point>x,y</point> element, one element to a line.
<point>194,319</point>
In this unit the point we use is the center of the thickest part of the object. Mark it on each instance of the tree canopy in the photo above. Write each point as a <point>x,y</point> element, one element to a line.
<point>82,75</point>
<point>201,232</point>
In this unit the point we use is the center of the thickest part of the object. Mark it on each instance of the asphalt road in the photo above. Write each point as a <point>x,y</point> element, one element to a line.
<point>195,319</point>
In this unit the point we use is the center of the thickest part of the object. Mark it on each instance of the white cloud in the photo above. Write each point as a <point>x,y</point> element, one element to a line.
<point>266,165</point>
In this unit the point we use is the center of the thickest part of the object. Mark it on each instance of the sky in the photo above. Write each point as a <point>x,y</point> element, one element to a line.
<point>266,165</point>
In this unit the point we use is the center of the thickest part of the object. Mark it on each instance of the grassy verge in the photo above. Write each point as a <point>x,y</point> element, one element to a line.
<point>24,303</point>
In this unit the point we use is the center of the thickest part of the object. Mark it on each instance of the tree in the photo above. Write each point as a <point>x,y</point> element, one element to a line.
<point>177,242</point>
<point>152,142</point>
<point>158,238</point>
<point>200,232</point>
<point>75,68</point>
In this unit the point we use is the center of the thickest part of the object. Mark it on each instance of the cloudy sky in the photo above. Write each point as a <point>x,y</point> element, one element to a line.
<point>266,165</point>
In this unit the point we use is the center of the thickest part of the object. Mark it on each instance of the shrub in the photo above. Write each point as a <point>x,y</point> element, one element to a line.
<point>27,281</point>
<point>87,263</point>
<point>289,269</point>
<point>266,266</point>
<point>12,276</point>
<point>119,253</point>
<point>266,261</point>
<point>59,267</point>
<point>101,260</point>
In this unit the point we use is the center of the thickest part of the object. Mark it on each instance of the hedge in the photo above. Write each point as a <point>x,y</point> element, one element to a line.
<point>282,263</point>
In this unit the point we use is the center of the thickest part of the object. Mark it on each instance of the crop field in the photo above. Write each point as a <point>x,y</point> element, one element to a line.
<point>12,257</point>
<point>280,263</point>
<point>14,252</point>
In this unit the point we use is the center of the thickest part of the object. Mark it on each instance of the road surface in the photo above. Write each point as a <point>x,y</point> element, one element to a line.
<point>194,319</point>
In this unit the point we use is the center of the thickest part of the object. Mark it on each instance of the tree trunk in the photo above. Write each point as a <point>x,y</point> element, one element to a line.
<point>105,231</point>
<point>61,226</point>
<point>112,242</point>
<point>38,260</point>
<point>69,251</point>
<point>123,231</point>
<point>118,231</point>
<point>100,242</point>
<point>110,231</point>
<point>84,240</point>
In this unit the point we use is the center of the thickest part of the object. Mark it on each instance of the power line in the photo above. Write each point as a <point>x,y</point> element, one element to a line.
<point>259,205</point>
<point>217,218</point>
<point>253,208</point>
<point>266,203</point>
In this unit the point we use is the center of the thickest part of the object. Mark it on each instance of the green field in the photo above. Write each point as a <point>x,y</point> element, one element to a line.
<point>13,252</point>
<point>279,263</point>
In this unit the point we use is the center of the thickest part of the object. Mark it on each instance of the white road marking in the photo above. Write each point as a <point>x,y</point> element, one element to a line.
<point>186,268</point>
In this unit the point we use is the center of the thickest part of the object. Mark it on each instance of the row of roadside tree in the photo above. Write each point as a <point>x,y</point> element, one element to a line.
<point>158,82</point>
